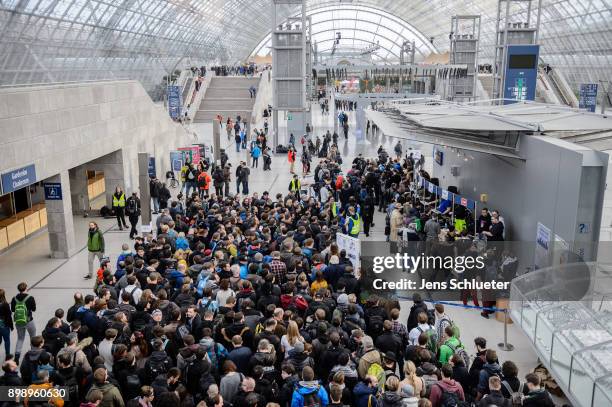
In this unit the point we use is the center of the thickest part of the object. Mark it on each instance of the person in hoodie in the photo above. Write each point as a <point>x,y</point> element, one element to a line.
<point>309,391</point>
<point>111,396</point>
<point>446,384</point>
<point>265,357</point>
<point>392,397</point>
<point>537,396</point>
<point>299,358</point>
<point>365,392</point>
<point>409,399</point>
<point>490,368</point>
<point>495,396</point>
<point>290,380</point>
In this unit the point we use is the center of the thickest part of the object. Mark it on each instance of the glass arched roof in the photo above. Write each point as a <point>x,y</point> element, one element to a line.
<point>360,27</point>
<point>75,40</point>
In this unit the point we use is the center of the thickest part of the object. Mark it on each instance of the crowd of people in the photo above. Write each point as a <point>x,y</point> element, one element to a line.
<point>245,299</point>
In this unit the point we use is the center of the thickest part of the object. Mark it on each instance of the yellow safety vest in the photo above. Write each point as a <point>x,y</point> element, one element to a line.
<point>293,185</point>
<point>119,202</point>
<point>334,210</point>
<point>356,225</point>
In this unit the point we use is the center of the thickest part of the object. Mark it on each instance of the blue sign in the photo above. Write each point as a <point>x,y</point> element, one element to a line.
<point>19,178</point>
<point>174,101</point>
<point>521,75</point>
<point>152,168</point>
<point>53,191</point>
<point>588,97</point>
<point>176,160</point>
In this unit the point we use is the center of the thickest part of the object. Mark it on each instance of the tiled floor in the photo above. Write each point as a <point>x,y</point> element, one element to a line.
<point>54,281</point>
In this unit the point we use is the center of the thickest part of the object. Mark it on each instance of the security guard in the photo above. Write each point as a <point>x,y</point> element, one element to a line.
<point>119,207</point>
<point>353,222</point>
<point>295,185</point>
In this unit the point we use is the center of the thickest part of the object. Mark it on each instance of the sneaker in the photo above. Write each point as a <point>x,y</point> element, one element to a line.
<point>87,277</point>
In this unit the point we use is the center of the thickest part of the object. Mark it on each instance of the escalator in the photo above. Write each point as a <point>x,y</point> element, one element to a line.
<point>553,88</point>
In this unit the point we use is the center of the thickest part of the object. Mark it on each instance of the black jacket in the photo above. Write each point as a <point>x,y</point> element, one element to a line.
<point>494,398</point>
<point>286,392</point>
<point>538,398</point>
<point>389,341</point>
<point>414,312</point>
<point>6,315</point>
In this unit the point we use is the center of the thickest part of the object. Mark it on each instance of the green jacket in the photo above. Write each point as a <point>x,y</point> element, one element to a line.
<point>112,396</point>
<point>95,242</point>
<point>446,353</point>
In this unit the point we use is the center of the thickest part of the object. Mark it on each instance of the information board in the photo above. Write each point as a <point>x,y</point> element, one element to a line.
<point>152,170</point>
<point>521,74</point>
<point>174,101</point>
<point>588,97</point>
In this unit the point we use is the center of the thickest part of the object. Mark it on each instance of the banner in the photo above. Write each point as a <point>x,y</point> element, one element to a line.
<point>352,246</point>
<point>542,251</point>
<point>174,101</point>
<point>190,154</point>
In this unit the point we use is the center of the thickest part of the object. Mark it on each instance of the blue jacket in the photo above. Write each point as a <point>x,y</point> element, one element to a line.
<point>87,317</point>
<point>362,393</point>
<point>488,370</point>
<point>303,388</point>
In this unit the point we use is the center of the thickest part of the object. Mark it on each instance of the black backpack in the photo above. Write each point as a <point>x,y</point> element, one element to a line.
<point>131,208</point>
<point>312,399</point>
<point>72,389</point>
<point>450,399</point>
<point>155,367</point>
<point>132,386</point>
<point>375,324</point>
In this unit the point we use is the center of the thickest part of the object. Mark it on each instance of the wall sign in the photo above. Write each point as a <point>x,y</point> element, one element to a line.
<point>19,178</point>
<point>152,169</point>
<point>53,191</point>
<point>588,97</point>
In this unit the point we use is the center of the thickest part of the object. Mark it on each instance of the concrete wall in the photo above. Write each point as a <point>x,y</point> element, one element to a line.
<point>59,127</point>
<point>97,126</point>
<point>557,183</point>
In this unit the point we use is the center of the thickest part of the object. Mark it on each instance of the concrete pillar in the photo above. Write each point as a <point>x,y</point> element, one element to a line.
<point>216,140</point>
<point>145,194</point>
<point>78,190</point>
<point>60,223</point>
<point>247,131</point>
<point>274,129</point>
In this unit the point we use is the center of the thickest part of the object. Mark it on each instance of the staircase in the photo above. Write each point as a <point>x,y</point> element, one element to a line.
<point>227,96</point>
<point>486,80</point>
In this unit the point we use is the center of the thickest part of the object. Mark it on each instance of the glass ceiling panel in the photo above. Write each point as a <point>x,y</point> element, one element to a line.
<point>51,40</point>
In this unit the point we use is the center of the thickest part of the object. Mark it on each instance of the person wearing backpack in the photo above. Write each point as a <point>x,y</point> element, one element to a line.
<point>370,356</point>
<point>309,392</point>
<point>365,392</point>
<point>69,376</point>
<point>447,392</point>
<point>495,397</point>
<point>418,307</point>
<point>22,306</point>
<point>490,368</point>
<point>422,327</point>
<point>537,396</point>
<point>450,346</point>
<point>512,386</point>
<point>132,210</point>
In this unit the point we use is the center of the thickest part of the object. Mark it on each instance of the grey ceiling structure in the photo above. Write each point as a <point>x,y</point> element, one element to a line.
<point>75,40</point>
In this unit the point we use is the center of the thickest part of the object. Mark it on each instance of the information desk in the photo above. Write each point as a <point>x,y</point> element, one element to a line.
<point>23,224</point>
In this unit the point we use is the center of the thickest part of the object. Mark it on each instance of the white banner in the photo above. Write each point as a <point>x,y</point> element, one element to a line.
<point>352,246</point>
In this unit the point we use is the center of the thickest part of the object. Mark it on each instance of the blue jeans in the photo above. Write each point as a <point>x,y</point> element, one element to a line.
<point>155,204</point>
<point>237,147</point>
<point>5,333</point>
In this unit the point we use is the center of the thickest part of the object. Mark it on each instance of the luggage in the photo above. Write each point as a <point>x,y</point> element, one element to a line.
<point>280,149</point>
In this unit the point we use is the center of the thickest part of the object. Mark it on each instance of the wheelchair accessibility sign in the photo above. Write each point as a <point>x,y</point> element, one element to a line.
<point>53,191</point>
